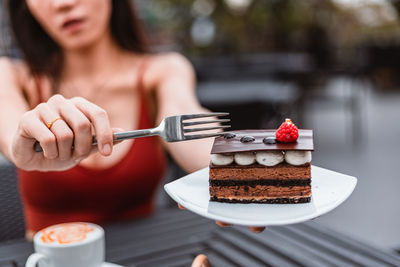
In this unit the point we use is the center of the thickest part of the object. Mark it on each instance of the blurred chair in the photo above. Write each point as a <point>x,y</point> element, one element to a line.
<point>252,89</point>
<point>261,90</point>
<point>11,216</point>
<point>253,104</point>
<point>382,64</point>
<point>174,171</point>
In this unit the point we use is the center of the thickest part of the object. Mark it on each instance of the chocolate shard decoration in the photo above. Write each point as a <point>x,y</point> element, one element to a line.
<point>222,145</point>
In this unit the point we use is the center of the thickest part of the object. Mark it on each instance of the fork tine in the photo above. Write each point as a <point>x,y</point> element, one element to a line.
<point>205,122</point>
<point>203,115</point>
<point>200,136</point>
<point>205,128</point>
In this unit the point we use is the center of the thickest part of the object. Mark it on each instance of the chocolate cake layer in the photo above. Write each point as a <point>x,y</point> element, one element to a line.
<point>265,200</point>
<point>259,191</point>
<point>225,145</point>
<point>282,171</point>
<point>253,183</point>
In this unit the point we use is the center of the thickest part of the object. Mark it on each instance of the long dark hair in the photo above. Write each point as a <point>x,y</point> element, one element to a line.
<point>44,56</point>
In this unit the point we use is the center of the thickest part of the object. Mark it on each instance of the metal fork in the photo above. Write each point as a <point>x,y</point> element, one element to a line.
<point>172,129</point>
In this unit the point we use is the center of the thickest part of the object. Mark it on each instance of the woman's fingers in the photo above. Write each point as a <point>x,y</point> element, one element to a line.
<point>33,128</point>
<point>63,134</point>
<point>219,223</point>
<point>99,118</point>
<point>222,224</point>
<point>256,229</point>
<point>78,122</point>
<point>55,141</point>
<point>117,130</point>
<point>74,128</point>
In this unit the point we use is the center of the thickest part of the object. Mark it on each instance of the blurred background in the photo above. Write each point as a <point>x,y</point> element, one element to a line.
<point>330,65</point>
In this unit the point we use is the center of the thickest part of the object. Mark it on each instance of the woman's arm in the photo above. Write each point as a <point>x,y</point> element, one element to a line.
<point>12,103</point>
<point>173,78</point>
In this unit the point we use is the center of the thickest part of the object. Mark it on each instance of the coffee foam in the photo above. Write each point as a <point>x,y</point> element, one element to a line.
<point>69,234</point>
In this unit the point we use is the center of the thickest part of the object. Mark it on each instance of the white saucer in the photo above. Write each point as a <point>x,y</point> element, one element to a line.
<point>108,264</point>
<point>329,190</point>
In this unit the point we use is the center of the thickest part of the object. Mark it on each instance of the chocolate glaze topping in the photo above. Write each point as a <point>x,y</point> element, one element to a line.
<point>222,145</point>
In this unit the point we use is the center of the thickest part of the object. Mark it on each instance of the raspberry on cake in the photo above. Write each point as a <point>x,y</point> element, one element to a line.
<point>287,132</point>
<point>249,166</point>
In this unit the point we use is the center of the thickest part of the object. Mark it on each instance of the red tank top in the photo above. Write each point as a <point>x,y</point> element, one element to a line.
<point>124,190</point>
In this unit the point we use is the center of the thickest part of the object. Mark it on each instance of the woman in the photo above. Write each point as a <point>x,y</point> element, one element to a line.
<point>86,71</point>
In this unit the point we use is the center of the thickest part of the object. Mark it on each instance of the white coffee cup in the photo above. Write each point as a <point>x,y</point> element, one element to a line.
<point>69,244</point>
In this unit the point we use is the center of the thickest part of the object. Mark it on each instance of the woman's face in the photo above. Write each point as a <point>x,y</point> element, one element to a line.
<point>73,24</point>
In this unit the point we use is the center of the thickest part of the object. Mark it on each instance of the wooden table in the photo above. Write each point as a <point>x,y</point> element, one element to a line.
<point>173,237</point>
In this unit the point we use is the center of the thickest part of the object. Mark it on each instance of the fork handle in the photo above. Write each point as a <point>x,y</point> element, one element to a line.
<point>133,134</point>
<point>117,137</point>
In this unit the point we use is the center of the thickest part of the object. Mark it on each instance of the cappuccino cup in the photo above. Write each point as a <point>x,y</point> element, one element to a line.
<point>69,244</point>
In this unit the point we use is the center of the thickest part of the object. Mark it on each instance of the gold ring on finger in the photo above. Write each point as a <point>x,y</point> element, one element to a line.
<point>50,124</point>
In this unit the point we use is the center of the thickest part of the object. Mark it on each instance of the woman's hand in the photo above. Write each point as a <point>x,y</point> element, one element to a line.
<point>67,141</point>
<point>254,229</point>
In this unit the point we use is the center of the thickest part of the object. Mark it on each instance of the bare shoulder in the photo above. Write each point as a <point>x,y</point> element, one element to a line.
<point>17,80</point>
<point>165,65</point>
<point>166,61</point>
<point>7,67</point>
<point>13,71</point>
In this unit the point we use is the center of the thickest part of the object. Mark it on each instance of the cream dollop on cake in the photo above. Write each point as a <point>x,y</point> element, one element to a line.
<point>298,158</point>
<point>221,159</point>
<point>269,158</point>
<point>245,158</point>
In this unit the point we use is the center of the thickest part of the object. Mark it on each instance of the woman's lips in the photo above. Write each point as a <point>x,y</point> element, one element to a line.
<point>73,25</point>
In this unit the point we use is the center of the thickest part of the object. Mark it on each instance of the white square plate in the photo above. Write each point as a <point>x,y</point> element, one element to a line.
<point>329,190</point>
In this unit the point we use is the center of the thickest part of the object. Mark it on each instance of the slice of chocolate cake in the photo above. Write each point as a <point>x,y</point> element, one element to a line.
<point>249,166</point>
